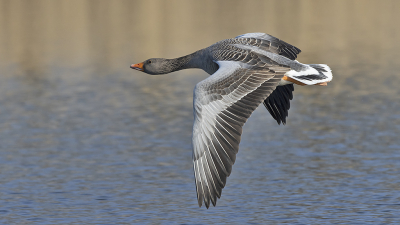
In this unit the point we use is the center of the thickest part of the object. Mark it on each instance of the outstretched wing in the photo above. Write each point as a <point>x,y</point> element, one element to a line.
<point>278,102</point>
<point>222,104</point>
<point>270,43</point>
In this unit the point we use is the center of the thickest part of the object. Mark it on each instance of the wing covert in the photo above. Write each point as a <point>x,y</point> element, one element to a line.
<point>270,43</point>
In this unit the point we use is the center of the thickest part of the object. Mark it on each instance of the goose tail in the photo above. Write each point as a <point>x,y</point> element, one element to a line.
<point>314,74</point>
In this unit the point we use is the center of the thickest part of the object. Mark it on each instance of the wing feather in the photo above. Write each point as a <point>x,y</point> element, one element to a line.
<point>270,43</point>
<point>278,103</point>
<point>222,104</point>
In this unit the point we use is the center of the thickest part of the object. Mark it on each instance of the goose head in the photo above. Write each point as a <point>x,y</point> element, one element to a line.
<point>153,66</point>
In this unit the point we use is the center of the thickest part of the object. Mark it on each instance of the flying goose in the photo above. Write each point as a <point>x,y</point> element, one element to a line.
<point>246,71</point>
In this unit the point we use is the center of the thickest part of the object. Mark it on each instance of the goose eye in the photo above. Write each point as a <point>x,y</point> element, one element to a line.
<point>149,61</point>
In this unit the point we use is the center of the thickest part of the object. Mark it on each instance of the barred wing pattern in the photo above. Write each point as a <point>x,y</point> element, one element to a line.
<point>271,44</point>
<point>278,103</point>
<point>222,104</point>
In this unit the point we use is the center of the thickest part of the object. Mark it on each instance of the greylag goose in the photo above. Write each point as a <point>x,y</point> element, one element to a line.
<point>245,71</point>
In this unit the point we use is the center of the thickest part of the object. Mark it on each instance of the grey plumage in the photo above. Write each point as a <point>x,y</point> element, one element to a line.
<point>223,103</point>
<point>246,71</point>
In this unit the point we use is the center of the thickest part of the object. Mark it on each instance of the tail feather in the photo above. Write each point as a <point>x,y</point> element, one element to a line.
<point>314,74</point>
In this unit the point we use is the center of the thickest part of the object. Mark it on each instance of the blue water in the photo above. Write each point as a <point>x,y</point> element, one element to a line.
<point>95,142</point>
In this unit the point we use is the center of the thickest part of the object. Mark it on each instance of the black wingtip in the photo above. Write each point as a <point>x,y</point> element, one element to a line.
<point>278,103</point>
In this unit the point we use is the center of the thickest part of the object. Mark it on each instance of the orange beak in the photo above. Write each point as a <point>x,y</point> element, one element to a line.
<point>138,66</point>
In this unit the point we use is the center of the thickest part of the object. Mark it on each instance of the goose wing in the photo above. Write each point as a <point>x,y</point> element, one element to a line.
<point>278,102</point>
<point>222,104</point>
<point>270,43</point>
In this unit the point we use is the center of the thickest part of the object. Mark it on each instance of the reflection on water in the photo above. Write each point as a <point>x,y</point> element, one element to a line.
<point>84,138</point>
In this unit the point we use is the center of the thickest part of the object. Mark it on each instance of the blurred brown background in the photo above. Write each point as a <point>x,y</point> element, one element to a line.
<point>35,34</point>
